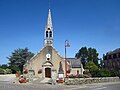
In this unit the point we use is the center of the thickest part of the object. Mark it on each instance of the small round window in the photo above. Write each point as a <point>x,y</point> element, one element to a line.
<point>48,56</point>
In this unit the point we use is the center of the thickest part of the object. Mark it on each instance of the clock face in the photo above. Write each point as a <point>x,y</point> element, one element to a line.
<point>48,55</point>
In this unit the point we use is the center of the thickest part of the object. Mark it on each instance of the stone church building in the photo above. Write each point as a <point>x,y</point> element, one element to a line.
<point>48,63</point>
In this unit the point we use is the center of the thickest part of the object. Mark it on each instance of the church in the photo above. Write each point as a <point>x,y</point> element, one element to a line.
<point>48,63</point>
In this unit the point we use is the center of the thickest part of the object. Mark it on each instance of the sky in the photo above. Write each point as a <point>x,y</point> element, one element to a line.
<point>90,23</point>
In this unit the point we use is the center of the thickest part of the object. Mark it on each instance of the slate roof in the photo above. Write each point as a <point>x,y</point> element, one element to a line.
<point>113,52</point>
<point>75,63</point>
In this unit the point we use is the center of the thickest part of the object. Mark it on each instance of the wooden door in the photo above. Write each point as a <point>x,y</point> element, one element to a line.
<point>48,72</point>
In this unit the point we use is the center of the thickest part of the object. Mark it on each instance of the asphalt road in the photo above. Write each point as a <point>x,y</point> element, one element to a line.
<point>109,86</point>
<point>100,86</point>
<point>12,86</point>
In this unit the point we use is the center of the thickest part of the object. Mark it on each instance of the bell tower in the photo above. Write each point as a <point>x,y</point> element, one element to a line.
<point>48,35</point>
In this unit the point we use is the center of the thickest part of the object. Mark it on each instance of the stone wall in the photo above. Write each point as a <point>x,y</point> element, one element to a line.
<point>78,81</point>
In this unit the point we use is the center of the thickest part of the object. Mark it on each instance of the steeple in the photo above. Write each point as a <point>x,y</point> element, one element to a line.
<point>49,20</point>
<point>48,36</point>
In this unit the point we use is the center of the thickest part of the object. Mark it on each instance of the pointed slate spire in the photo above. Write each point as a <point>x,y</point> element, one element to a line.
<point>49,20</point>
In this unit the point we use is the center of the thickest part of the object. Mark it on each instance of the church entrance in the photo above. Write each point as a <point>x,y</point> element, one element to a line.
<point>48,72</point>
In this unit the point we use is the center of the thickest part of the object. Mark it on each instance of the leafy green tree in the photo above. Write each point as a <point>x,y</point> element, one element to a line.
<point>4,66</point>
<point>14,68</point>
<point>87,55</point>
<point>93,55</point>
<point>18,58</point>
<point>83,54</point>
<point>92,68</point>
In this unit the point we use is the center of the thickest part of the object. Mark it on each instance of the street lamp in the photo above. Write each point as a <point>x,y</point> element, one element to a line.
<point>66,45</point>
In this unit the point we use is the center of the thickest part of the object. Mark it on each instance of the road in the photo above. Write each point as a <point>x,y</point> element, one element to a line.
<point>10,86</point>
<point>101,86</point>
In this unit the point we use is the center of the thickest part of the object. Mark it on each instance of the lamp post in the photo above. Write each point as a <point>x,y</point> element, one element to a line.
<point>66,45</point>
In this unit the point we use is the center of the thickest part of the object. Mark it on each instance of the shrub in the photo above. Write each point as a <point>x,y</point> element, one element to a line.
<point>101,73</point>
<point>2,71</point>
<point>105,73</point>
<point>8,71</point>
<point>113,73</point>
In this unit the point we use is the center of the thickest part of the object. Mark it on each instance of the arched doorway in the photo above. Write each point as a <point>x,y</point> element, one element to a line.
<point>48,72</point>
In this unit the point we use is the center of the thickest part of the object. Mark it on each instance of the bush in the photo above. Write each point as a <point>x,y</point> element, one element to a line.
<point>93,69</point>
<point>2,71</point>
<point>14,69</point>
<point>104,73</point>
<point>8,71</point>
<point>113,73</point>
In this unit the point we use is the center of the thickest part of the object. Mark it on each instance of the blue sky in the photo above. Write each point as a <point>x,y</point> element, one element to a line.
<point>91,23</point>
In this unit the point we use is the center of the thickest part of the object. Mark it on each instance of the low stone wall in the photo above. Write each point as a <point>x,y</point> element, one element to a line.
<point>77,81</point>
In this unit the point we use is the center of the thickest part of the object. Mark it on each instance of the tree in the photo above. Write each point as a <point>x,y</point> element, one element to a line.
<point>92,68</point>
<point>87,55</point>
<point>4,66</point>
<point>93,55</point>
<point>18,58</point>
<point>95,72</point>
<point>83,54</point>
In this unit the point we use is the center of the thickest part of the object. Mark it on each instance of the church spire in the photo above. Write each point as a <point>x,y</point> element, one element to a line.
<point>49,20</point>
<point>48,37</point>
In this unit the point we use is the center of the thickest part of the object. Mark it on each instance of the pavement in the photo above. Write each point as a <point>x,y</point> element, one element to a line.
<point>100,86</point>
<point>93,85</point>
<point>29,86</point>
<point>6,83</point>
<point>7,78</point>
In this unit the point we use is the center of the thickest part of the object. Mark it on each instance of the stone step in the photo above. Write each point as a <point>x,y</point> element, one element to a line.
<point>37,80</point>
<point>45,80</point>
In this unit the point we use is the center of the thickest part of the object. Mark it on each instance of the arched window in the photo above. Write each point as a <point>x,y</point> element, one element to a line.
<point>50,33</point>
<point>46,33</point>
